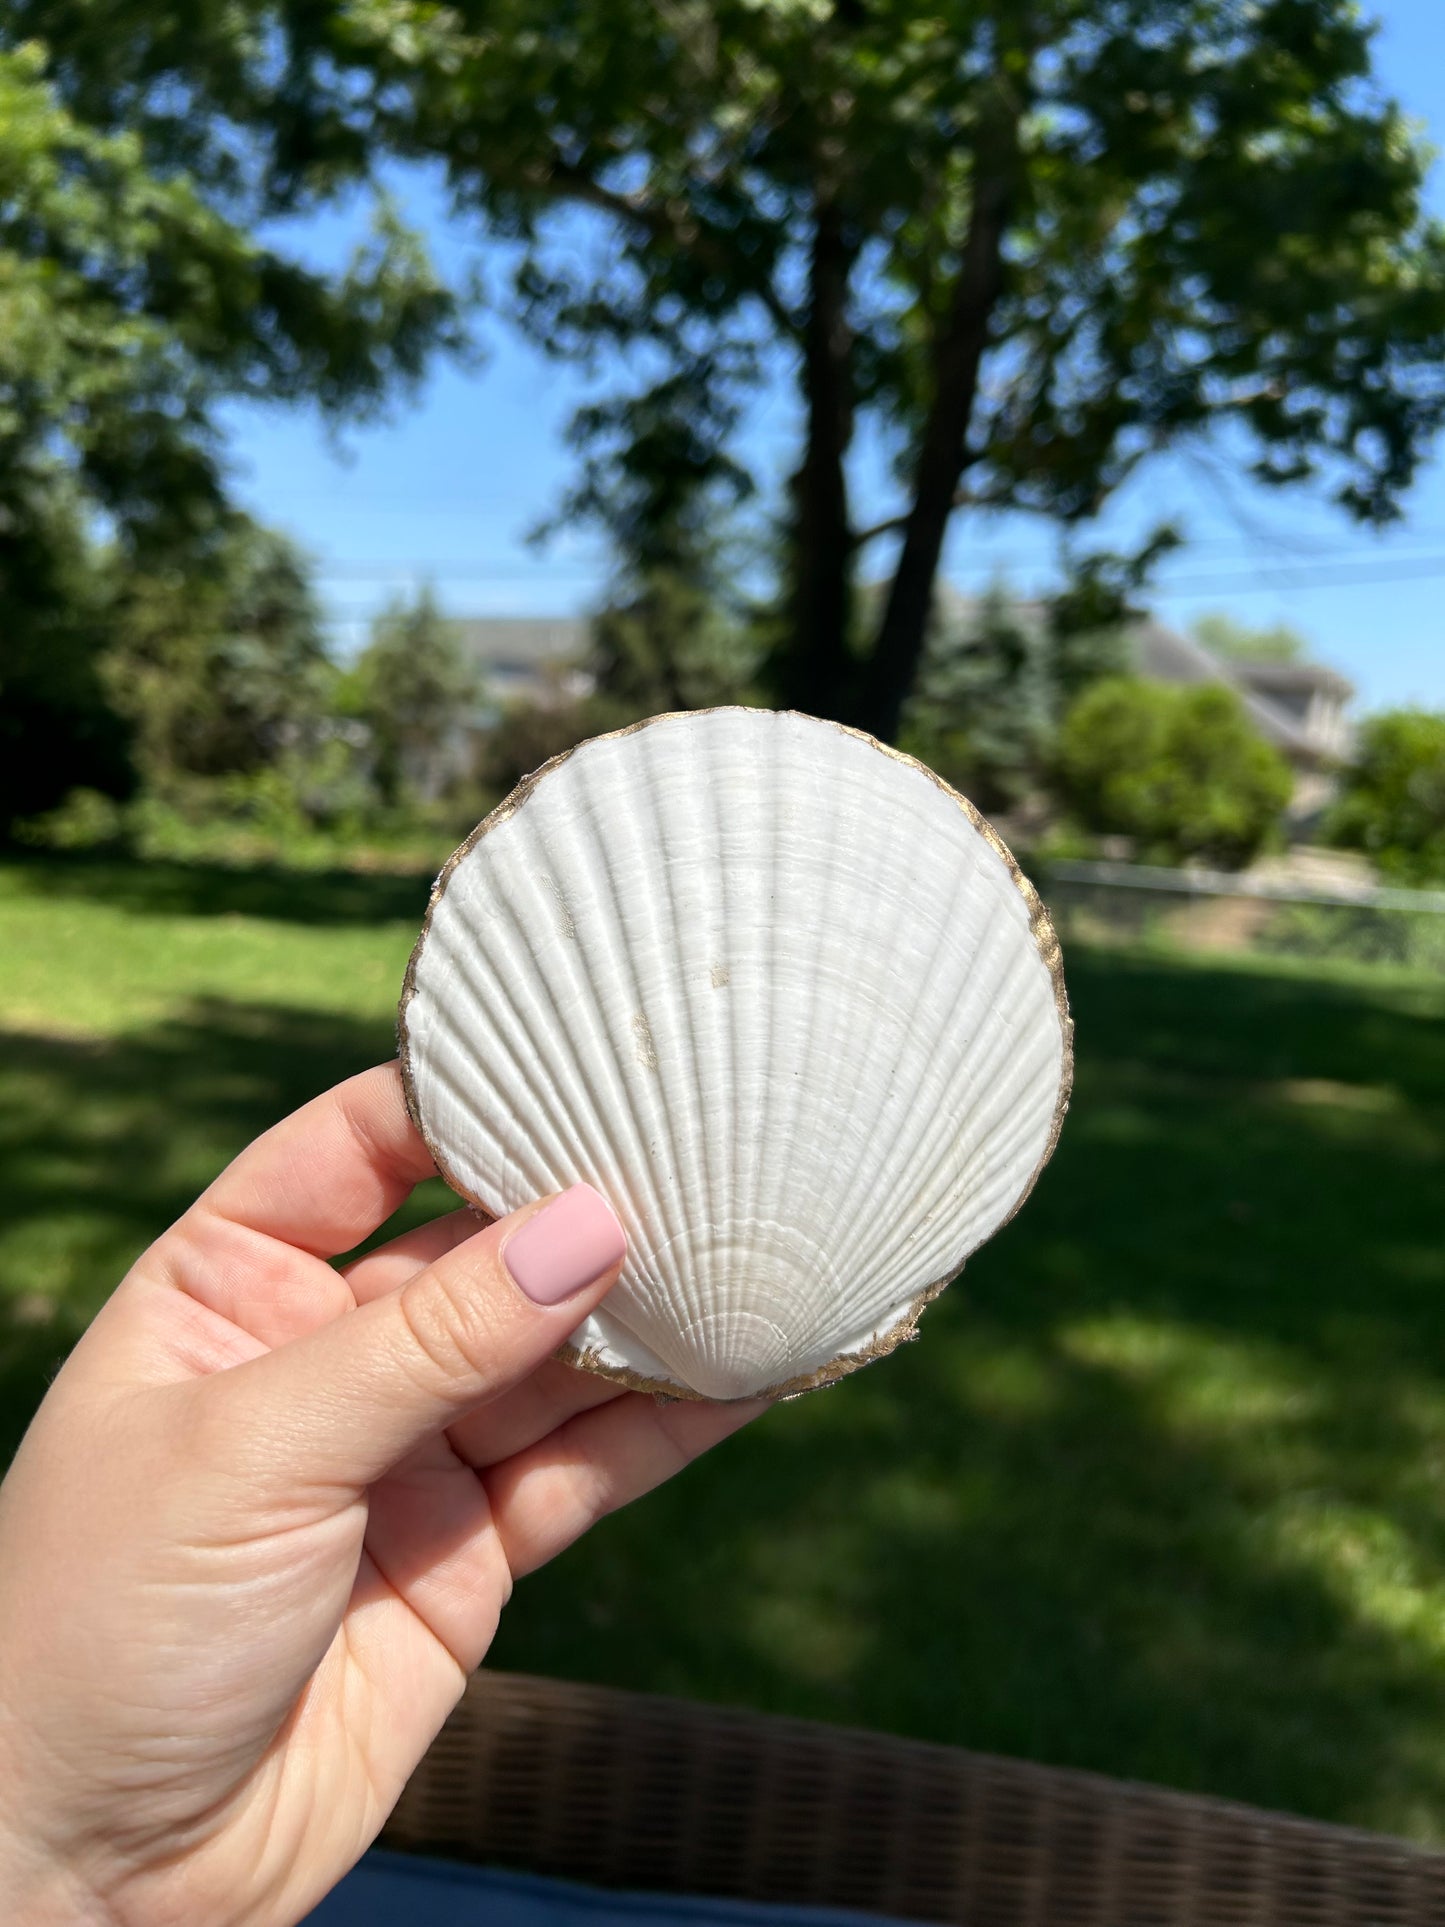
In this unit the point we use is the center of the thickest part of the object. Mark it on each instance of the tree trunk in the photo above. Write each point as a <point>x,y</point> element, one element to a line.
<point>943,455</point>
<point>814,669</point>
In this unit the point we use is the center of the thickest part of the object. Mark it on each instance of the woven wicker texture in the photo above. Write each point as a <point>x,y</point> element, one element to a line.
<point>629,1790</point>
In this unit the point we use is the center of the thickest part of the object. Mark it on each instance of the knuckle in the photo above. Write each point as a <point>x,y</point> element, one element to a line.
<point>675,1434</point>
<point>451,1331</point>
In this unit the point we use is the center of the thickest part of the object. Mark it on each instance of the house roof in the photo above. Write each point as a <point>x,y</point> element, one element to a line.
<point>1163,653</point>
<point>1293,678</point>
<point>514,648</point>
<point>523,644</point>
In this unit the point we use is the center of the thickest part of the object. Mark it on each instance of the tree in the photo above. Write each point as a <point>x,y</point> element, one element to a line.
<point>414,689</point>
<point>1029,242</point>
<point>219,673</point>
<point>672,633</point>
<point>1032,243</point>
<point>136,295</point>
<point>984,705</point>
<point>997,676</point>
<point>58,728</point>
<point>1392,801</point>
<point>136,292</point>
<point>1235,641</point>
<point>1179,769</point>
<point>669,641</point>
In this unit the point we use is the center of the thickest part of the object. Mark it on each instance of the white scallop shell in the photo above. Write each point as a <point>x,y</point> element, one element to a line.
<point>782,997</point>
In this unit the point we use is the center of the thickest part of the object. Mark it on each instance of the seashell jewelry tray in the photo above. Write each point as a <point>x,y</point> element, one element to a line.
<point>783,997</point>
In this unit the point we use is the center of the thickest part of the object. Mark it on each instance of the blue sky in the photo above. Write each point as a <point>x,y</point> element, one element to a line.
<point>447,488</point>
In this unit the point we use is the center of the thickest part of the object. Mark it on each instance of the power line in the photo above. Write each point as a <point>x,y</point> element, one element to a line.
<point>1253,583</point>
<point>1264,578</point>
<point>1289,573</point>
<point>458,571</point>
<point>1289,576</point>
<point>441,502</point>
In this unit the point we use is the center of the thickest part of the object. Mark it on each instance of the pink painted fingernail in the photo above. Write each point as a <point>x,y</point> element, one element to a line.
<point>566,1246</point>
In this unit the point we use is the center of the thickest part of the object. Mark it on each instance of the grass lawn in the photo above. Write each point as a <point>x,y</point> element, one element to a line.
<point>1161,1491</point>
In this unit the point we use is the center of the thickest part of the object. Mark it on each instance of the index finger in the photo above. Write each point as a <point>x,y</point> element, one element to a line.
<point>324,1178</point>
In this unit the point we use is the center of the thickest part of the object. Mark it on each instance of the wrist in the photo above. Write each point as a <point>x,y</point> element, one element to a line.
<point>39,1883</point>
<point>37,1887</point>
<point>36,1894</point>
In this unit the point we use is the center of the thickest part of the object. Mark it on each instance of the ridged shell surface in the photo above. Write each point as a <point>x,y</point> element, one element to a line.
<point>782,997</point>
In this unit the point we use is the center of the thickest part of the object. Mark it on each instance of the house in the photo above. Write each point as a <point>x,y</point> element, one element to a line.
<point>536,659</point>
<point>524,658</point>
<point>1299,707</point>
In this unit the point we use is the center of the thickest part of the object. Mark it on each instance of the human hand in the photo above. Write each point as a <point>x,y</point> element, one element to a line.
<point>267,1516</point>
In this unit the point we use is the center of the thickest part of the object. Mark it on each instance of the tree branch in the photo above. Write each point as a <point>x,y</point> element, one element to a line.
<point>568,183</point>
<point>962,498</point>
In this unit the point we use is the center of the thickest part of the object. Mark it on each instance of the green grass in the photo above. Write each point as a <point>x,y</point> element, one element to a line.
<point>1160,1491</point>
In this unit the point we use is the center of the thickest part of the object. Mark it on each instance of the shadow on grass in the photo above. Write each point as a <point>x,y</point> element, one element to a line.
<point>217,890</point>
<point>102,1145</point>
<point>35,1337</point>
<point>1159,1490</point>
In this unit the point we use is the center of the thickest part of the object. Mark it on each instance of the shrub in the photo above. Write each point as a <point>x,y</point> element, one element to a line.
<point>84,819</point>
<point>1392,804</point>
<point>1182,770</point>
<point>1356,933</point>
<point>528,734</point>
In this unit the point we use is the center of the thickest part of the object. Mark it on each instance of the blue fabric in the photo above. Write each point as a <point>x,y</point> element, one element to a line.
<point>401,1890</point>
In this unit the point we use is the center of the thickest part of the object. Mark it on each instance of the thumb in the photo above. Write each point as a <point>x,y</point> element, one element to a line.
<point>344,1403</point>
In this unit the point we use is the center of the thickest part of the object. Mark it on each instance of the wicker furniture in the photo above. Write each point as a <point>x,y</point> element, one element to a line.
<point>633,1791</point>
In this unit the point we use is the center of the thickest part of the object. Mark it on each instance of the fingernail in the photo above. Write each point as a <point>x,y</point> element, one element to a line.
<point>566,1246</point>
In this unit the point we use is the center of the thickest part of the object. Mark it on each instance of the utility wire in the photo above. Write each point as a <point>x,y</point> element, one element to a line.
<point>1265,576</point>
<point>1325,575</point>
